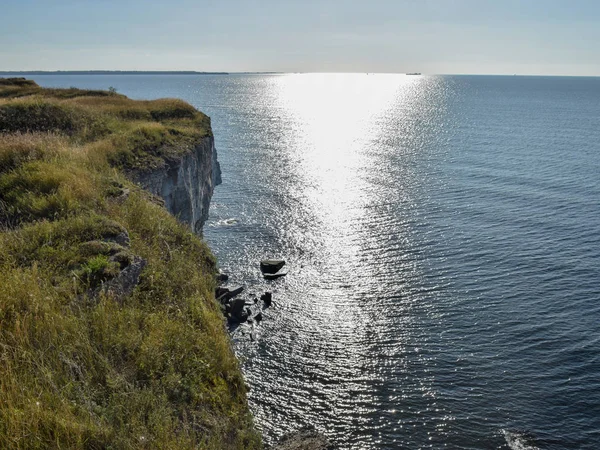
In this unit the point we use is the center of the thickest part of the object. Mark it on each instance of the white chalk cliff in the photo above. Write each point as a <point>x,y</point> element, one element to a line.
<point>186,185</point>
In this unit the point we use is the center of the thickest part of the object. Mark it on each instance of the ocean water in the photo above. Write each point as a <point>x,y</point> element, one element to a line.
<point>442,239</point>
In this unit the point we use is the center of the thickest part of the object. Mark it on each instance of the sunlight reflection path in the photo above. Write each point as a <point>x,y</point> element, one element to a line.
<point>343,183</point>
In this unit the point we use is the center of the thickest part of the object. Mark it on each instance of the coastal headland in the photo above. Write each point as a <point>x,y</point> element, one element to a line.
<point>110,335</point>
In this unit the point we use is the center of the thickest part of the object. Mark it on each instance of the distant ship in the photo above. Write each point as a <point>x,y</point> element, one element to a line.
<point>414,73</point>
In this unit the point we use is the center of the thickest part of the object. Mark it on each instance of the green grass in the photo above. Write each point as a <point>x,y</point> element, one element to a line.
<point>153,369</point>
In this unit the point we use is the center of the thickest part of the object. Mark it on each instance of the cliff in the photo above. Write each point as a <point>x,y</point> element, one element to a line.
<point>186,185</point>
<point>110,336</point>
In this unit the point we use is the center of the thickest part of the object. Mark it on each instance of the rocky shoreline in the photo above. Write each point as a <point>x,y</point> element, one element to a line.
<point>238,310</point>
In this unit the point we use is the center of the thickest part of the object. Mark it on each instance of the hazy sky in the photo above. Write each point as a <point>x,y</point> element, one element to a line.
<point>430,36</point>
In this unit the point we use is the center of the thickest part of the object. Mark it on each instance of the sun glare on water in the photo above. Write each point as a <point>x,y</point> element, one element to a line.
<point>336,119</point>
<point>344,147</point>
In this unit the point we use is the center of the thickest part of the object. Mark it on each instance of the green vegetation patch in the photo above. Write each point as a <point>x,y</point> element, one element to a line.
<point>82,367</point>
<point>137,133</point>
<point>150,146</point>
<point>31,114</point>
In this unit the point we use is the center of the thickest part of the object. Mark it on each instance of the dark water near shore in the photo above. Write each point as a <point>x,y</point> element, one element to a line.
<point>443,244</point>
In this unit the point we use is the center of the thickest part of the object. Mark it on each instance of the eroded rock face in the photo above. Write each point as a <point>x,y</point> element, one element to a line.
<point>123,284</point>
<point>121,275</point>
<point>186,185</point>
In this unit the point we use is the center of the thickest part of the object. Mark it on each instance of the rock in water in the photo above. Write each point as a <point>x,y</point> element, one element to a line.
<point>221,277</point>
<point>219,291</point>
<point>267,298</point>
<point>237,312</point>
<point>235,291</point>
<point>273,276</point>
<point>271,265</point>
<point>227,294</point>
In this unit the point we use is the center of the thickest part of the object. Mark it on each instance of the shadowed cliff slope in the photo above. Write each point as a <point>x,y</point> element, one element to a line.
<point>109,332</point>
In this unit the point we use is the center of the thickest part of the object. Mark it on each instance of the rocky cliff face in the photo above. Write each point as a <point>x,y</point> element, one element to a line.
<point>186,185</point>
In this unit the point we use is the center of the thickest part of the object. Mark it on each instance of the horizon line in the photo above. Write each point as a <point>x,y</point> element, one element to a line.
<point>194,72</point>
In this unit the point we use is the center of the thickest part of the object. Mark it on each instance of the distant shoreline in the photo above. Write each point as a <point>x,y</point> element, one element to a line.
<point>108,72</point>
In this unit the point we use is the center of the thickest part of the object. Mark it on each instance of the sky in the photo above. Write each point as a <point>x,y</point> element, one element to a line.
<point>535,37</point>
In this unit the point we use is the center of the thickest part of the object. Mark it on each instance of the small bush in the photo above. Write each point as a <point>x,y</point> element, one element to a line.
<point>96,270</point>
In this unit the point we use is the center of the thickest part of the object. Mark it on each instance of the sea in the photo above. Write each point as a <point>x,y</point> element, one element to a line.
<point>442,244</point>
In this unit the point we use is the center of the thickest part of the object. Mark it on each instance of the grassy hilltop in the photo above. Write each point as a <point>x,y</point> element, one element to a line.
<point>82,366</point>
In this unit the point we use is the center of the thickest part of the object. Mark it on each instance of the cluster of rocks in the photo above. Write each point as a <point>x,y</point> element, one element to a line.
<point>237,309</point>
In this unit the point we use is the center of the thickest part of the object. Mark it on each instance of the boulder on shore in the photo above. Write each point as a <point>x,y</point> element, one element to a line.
<point>271,265</point>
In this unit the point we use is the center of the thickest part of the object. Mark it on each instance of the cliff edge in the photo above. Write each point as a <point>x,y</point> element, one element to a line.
<point>110,335</point>
<point>187,184</point>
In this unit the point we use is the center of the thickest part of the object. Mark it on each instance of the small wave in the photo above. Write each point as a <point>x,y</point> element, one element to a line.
<point>225,222</point>
<point>519,440</point>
